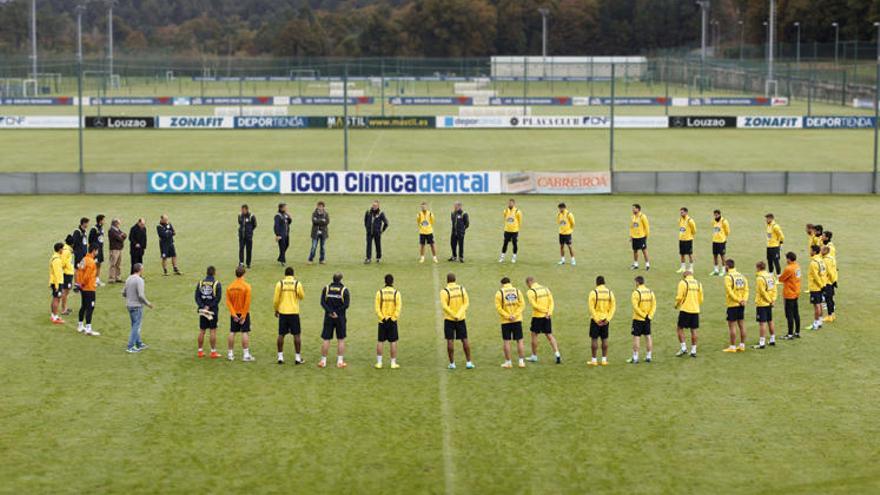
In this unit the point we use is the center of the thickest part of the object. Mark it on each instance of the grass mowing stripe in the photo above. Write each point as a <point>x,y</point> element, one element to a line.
<point>448,458</point>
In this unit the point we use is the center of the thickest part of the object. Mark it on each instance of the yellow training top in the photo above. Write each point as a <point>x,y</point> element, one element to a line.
<point>425,220</point>
<point>509,302</point>
<point>818,275</point>
<point>765,289</point>
<point>56,270</point>
<point>736,288</point>
<point>689,295</point>
<point>388,304</point>
<point>454,301</point>
<point>687,228</point>
<point>830,269</point>
<point>638,226</point>
<point>720,230</point>
<point>541,300</point>
<point>602,304</point>
<point>288,293</point>
<point>644,303</point>
<point>774,235</point>
<point>565,220</point>
<point>512,219</point>
<point>67,260</point>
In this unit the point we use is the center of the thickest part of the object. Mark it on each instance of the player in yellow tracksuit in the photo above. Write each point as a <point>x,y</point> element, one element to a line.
<point>736,294</point>
<point>602,306</point>
<point>425,221</point>
<point>720,233</point>
<point>775,238</point>
<point>830,282</point>
<point>639,230</point>
<point>543,305</point>
<point>387,306</point>
<point>565,221</point>
<point>288,294</point>
<point>826,241</point>
<point>817,279</point>
<point>765,298</point>
<point>509,305</point>
<point>512,224</point>
<point>644,305</point>
<point>69,271</point>
<point>688,299</point>
<point>56,281</point>
<point>454,301</point>
<point>687,229</point>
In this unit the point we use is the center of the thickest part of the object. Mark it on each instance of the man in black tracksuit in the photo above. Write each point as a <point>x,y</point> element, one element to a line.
<point>335,300</point>
<point>137,242</point>
<point>282,232</point>
<point>375,224</point>
<point>460,223</point>
<point>166,244</point>
<point>246,225</point>
<point>96,238</point>
<point>80,241</point>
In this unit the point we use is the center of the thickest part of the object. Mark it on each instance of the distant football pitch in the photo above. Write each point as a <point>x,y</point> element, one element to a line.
<point>81,415</point>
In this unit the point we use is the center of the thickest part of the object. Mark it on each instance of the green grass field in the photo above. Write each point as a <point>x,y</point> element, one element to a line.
<point>81,415</point>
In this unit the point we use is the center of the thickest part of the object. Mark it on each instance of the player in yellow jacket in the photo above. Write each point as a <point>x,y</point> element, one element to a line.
<point>56,281</point>
<point>817,278</point>
<point>687,229</point>
<point>775,238</point>
<point>425,221</point>
<point>765,299</point>
<point>69,271</point>
<point>602,307</point>
<point>720,233</point>
<point>288,294</point>
<point>826,241</point>
<point>512,224</point>
<point>639,230</point>
<point>644,305</point>
<point>565,221</point>
<point>688,299</point>
<point>543,305</point>
<point>736,295</point>
<point>830,282</point>
<point>454,301</point>
<point>388,304</point>
<point>509,304</point>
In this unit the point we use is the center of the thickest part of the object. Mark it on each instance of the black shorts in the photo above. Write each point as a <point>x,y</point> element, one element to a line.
<point>816,297</point>
<point>455,330</point>
<point>387,331</point>
<point>828,290</point>
<point>206,324</point>
<point>512,331</point>
<point>565,239</point>
<point>288,324</point>
<point>100,257</point>
<point>511,236</point>
<point>55,290</point>
<point>597,332</point>
<point>641,328</point>
<point>426,239</point>
<point>541,325</point>
<point>170,252</point>
<point>688,320</point>
<point>719,248</point>
<point>685,247</point>
<point>736,313</point>
<point>333,326</point>
<point>236,327</point>
<point>764,314</point>
<point>68,282</point>
<point>639,243</point>
<point>773,252</point>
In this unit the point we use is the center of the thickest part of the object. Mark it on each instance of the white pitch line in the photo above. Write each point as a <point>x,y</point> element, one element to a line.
<point>446,414</point>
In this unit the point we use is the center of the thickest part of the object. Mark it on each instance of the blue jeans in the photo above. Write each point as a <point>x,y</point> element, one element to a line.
<point>136,315</point>
<point>315,243</point>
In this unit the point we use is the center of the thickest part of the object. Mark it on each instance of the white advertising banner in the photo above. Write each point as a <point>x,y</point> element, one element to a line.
<point>558,183</point>
<point>338,182</point>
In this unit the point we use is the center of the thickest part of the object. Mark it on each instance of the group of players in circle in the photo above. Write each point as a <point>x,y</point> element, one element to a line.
<point>78,260</point>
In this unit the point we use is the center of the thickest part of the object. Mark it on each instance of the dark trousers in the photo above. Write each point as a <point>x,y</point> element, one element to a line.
<point>87,306</point>
<point>283,244</point>
<point>773,260</point>
<point>137,256</point>
<point>828,292</point>
<point>457,243</point>
<point>377,239</point>
<point>510,237</point>
<point>792,316</point>
<point>245,247</point>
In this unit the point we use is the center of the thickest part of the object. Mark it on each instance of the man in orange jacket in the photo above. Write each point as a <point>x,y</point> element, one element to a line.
<point>86,278</point>
<point>791,290</point>
<point>238,300</point>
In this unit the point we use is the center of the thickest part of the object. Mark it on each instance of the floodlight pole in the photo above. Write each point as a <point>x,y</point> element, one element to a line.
<point>110,39</point>
<point>771,35</point>
<point>704,10</point>
<point>798,47</point>
<point>80,7</point>
<point>345,115</point>
<point>34,38</point>
<point>836,40</point>
<point>876,111</point>
<point>742,35</point>
<point>544,12</point>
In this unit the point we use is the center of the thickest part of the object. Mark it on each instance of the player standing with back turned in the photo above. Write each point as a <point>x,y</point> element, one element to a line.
<point>208,294</point>
<point>286,299</point>
<point>388,305</point>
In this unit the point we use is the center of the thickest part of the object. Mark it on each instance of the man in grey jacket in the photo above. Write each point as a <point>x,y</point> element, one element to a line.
<point>320,221</point>
<point>135,300</point>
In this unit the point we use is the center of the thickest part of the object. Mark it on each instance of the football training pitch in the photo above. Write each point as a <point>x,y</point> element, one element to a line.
<point>82,416</point>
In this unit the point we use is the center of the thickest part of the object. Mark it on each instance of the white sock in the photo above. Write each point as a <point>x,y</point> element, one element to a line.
<point>298,357</point>
<point>761,341</point>
<point>339,359</point>
<point>732,346</point>
<point>323,359</point>
<point>572,259</point>
<point>79,325</point>
<point>54,316</point>
<point>522,361</point>
<point>604,359</point>
<point>513,257</point>
<point>635,356</point>
<point>683,266</point>
<point>562,259</point>
<point>772,339</point>
<point>281,356</point>
<point>557,354</point>
<point>684,347</point>
<point>247,352</point>
<point>636,264</point>
<point>648,355</point>
<point>379,359</point>
<point>647,264</point>
<point>230,353</point>
<point>534,356</point>
<point>593,360</point>
<point>469,363</point>
<point>393,360</point>
<point>200,349</point>
<point>89,327</point>
<point>213,349</point>
<point>693,349</point>
<point>691,267</point>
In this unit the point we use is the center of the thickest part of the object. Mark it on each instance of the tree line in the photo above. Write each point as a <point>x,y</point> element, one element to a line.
<point>421,28</point>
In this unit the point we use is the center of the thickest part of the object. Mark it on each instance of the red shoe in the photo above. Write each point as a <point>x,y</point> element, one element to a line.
<point>322,364</point>
<point>215,355</point>
<point>341,365</point>
<point>57,321</point>
<point>201,354</point>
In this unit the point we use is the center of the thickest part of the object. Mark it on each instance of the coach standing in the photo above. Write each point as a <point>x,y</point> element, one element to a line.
<point>96,238</point>
<point>137,242</point>
<point>80,241</point>
<point>166,244</point>
<point>375,223</point>
<point>282,232</point>
<point>117,242</point>
<point>320,221</point>
<point>246,225</point>
<point>460,223</point>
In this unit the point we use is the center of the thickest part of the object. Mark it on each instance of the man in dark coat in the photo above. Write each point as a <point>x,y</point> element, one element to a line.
<point>282,232</point>
<point>460,223</point>
<point>137,242</point>
<point>246,225</point>
<point>375,224</point>
<point>320,222</point>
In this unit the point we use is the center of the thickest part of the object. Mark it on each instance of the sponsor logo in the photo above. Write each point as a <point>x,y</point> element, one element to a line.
<point>702,122</point>
<point>279,122</point>
<point>213,182</point>
<point>196,122</point>
<point>842,122</point>
<point>120,122</point>
<point>381,122</point>
<point>558,182</point>
<point>431,100</point>
<point>767,122</point>
<point>38,122</point>
<point>299,182</point>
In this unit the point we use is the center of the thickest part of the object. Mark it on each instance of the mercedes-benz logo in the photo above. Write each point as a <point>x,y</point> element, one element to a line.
<point>99,122</point>
<point>514,121</point>
<point>677,122</point>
